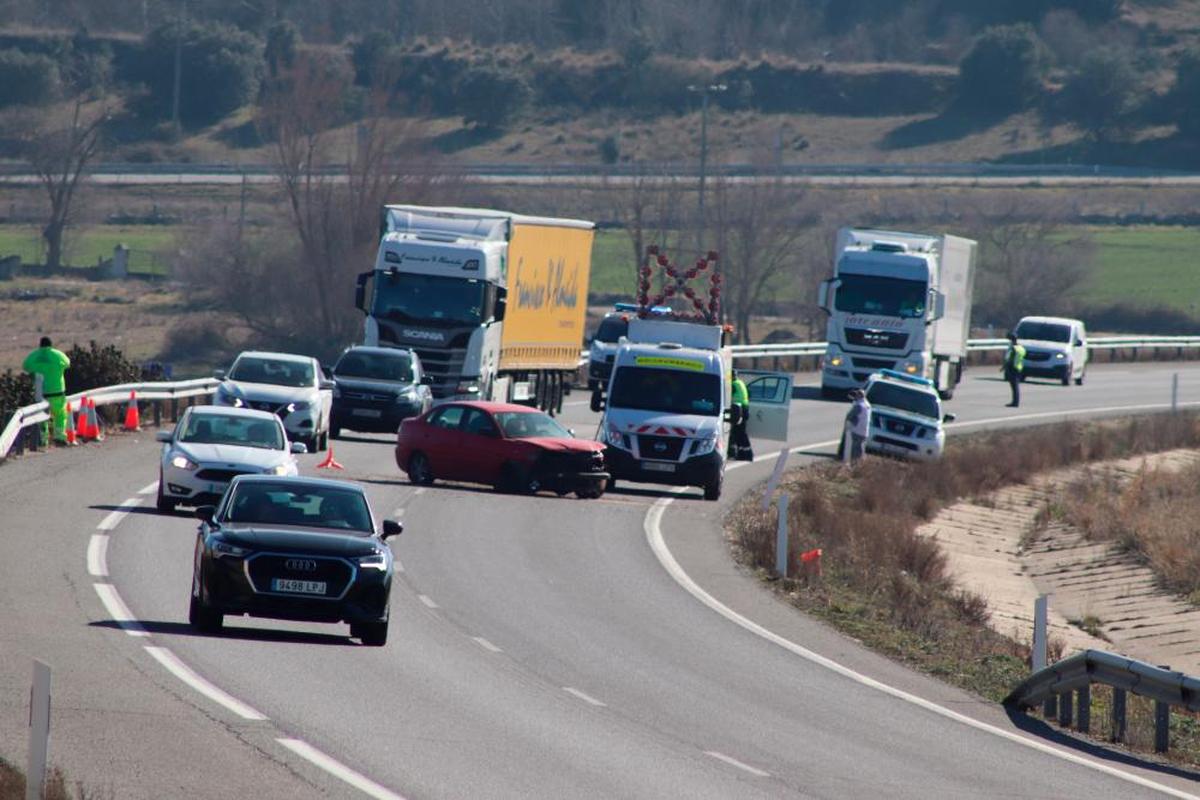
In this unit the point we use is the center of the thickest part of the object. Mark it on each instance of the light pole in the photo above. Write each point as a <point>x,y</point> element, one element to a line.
<point>704,91</point>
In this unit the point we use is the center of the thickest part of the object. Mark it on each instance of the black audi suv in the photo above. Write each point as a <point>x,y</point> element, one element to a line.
<point>293,548</point>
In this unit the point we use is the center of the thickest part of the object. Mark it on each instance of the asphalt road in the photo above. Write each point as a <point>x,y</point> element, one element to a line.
<point>540,647</point>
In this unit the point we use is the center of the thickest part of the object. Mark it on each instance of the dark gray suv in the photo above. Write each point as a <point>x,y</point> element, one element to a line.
<point>375,388</point>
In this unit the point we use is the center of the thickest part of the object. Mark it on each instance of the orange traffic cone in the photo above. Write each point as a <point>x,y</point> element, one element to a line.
<point>81,420</point>
<point>329,462</point>
<point>93,431</point>
<point>133,421</point>
<point>70,426</point>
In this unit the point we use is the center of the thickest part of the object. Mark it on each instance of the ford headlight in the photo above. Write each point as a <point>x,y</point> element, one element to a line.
<point>278,469</point>
<point>1060,355</point>
<point>377,560</point>
<point>299,405</point>
<point>180,461</point>
<point>704,446</point>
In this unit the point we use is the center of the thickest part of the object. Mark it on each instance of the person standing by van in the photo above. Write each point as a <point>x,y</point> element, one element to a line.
<point>1014,363</point>
<point>858,423</point>
<point>50,366</point>
<point>739,441</point>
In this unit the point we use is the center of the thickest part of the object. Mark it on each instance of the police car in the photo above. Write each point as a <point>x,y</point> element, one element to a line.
<point>906,416</point>
<point>603,347</point>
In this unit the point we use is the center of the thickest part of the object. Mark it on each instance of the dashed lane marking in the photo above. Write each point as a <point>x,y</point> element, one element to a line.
<point>186,674</point>
<point>486,645</point>
<point>149,489</point>
<point>97,555</point>
<point>118,611</point>
<point>339,770</point>
<point>115,517</point>
<point>587,698</point>
<point>733,762</point>
<point>427,600</point>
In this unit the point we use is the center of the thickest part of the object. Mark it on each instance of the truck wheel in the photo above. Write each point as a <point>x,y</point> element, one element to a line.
<point>1082,375</point>
<point>372,634</point>
<point>597,403</point>
<point>562,387</point>
<point>1066,376</point>
<point>610,484</point>
<point>712,491</point>
<point>946,394</point>
<point>335,431</point>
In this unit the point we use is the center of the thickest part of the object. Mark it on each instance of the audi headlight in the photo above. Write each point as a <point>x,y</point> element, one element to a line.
<point>705,446</point>
<point>227,550</point>
<point>377,560</point>
<point>180,461</point>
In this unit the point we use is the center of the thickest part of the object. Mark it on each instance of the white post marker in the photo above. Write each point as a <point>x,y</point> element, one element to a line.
<point>775,477</point>
<point>847,443</point>
<point>1175,392</point>
<point>1040,607</point>
<point>39,732</point>
<point>781,538</point>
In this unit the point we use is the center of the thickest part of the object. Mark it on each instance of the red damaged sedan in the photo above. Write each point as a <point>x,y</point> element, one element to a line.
<point>511,447</point>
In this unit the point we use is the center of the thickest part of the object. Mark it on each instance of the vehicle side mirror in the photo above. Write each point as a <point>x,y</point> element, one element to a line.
<point>501,303</point>
<point>427,380</point>
<point>949,417</point>
<point>1079,342</point>
<point>219,374</point>
<point>164,436</point>
<point>206,513</point>
<point>360,291</point>
<point>938,305</point>
<point>392,528</point>
<point>325,385</point>
<point>571,431</point>
<point>299,448</point>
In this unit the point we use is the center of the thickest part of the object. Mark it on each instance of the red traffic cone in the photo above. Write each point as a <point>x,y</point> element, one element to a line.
<point>329,462</point>
<point>81,420</point>
<point>811,561</point>
<point>70,426</point>
<point>133,421</point>
<point>93,422</point>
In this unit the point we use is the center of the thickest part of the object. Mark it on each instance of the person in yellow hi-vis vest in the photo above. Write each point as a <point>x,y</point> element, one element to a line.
<point>1014,365</point>
<point>51,365</point>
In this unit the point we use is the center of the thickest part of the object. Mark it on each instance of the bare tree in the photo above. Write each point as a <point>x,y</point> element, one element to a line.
<point>61,151</point>
<point>758,227</point>
<point>648,206</point>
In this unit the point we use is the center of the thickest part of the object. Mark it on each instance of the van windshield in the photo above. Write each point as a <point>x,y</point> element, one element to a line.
<point>1044,331</point>
<point>674,391</point>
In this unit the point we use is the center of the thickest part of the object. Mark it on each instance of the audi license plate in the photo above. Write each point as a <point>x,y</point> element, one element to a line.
<point>658,466</point>
<point>366,412</point>
<point>299,587</point>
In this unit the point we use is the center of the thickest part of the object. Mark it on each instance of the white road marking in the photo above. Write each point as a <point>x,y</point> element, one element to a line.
<point>97,555</point>
<point>150,489</point>
<point>486,645</point>
<point>587,698</point>
<point>339,770</point>
<point>733,762</point>
<point>399,512</point>
<point>397,565</point>
<point>118,611</point>
<point>418,490</point>
<point>122,511</point>
<point>576,402</point>
<point>186,674</point>
<point>654,536</point>
<point>427,600</point>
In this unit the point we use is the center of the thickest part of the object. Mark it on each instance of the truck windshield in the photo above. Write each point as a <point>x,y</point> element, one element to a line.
<point>1044,331</point>
<point>890,395</point>
<point>887,297</point>
<point>430,299</point>
<point>671,390</point>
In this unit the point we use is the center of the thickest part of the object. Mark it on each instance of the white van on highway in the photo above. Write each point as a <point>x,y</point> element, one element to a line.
<point>1055,347</point>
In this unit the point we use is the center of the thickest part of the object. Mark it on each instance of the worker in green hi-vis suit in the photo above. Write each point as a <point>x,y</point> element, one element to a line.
<point>51,365</point>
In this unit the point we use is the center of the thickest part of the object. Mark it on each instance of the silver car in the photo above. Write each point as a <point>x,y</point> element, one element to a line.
<point>211,445</point>
<point>289,386</point>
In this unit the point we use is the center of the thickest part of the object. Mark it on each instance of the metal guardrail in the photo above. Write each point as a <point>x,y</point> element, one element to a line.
<point>1066,683</point>
<point>1110,343</point>
<point>38,413</point>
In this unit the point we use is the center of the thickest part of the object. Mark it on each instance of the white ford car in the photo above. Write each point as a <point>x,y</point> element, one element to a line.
<point>290,386</point>
<point>211,445</point>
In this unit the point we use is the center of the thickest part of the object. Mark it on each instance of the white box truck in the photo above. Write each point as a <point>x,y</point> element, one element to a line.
<point>898,301</point>
<point>492,302</point>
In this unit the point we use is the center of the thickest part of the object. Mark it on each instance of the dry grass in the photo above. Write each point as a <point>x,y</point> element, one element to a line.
<point>1153,514</point>
<point>888,586</point>
<point>12,785</point>
<point>1184,744</point>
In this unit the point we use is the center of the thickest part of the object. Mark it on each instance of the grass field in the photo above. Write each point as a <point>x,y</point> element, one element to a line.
<point>148,244</point>
<point>1145,266</point>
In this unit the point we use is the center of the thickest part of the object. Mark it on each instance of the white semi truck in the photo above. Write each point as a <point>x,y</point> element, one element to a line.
<point>492,302</point>
<point>897,301</point>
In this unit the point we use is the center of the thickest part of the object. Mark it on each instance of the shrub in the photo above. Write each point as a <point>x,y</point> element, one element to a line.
<point>1003,70</point>
<point>489,97</point>
<point>16,390</point>
<point>99,366</point>
<point>368,55</point>
<point>1185,96</point>
<point>1102,92</point>
<point>27,78</point>
<point>221,68</point>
